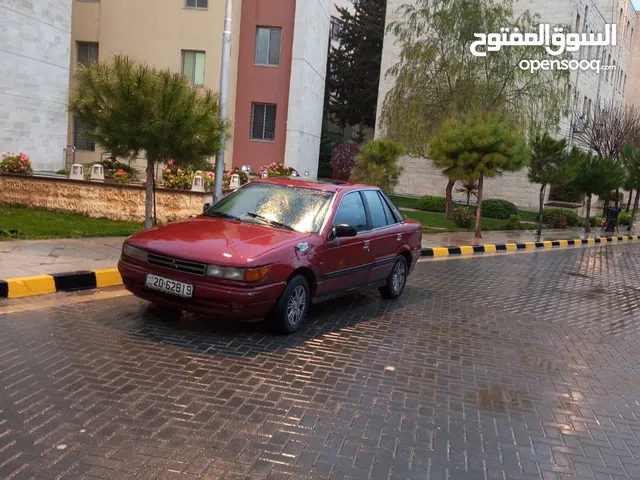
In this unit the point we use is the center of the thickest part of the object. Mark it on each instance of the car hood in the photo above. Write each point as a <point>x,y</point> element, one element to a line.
<point>214,240</point>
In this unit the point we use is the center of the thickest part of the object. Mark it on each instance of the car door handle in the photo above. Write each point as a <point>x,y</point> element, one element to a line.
<point>399,237</point>
<point>366,245</point>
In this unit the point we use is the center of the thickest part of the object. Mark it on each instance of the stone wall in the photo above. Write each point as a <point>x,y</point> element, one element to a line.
<point>34,68</point>
<point>99,200</point>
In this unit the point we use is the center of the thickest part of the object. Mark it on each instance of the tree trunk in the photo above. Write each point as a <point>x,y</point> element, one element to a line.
<point>635,209</point>
<point>587,220</point>
<point>448,209</point>
<point>543,187</point>
<point>629,201</point>
<point>479,209</point>
<point>148,204</point>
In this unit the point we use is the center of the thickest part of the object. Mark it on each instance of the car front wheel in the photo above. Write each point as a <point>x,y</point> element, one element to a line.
<point>291,309</point>
<point>396,280</point>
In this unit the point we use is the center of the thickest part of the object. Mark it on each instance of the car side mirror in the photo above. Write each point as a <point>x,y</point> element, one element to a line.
<point>341,231</point>
<point>206,207</point>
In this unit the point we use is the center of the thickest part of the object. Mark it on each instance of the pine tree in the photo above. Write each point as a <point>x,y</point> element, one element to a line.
<point>356,65</point>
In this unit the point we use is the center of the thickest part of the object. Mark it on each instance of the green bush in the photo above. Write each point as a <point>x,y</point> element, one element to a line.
<point>500,209</point>
<point>430,203</point>
<point>463,217</point>
<point>558,220</point>
<point>624,218</point>
<point>565,193</point>
<point>512,224</point>
<point>63,172</point>
<point>595,222</point>
<point>111,166</point>
<point>571,217</point>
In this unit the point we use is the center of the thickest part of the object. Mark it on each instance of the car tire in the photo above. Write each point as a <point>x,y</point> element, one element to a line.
<point>290,311</point>
<point>396,281</point>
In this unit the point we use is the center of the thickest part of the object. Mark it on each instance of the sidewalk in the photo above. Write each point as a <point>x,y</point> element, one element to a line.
<point>23,258</point>
<point>515,236</point>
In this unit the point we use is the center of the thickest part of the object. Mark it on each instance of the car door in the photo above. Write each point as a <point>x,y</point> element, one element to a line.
<point>385,236</point>
<point>348,259</point>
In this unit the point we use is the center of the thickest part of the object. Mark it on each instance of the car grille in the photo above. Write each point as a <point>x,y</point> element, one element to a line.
<point>186,266</point>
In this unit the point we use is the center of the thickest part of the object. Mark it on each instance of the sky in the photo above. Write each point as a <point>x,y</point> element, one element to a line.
<point>636,4</point>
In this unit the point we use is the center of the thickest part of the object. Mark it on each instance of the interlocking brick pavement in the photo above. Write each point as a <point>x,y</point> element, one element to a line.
<point>512,366</point>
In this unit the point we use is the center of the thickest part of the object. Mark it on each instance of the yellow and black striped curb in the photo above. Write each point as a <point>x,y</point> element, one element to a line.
<point>506,247</point>
<point>59,282</point>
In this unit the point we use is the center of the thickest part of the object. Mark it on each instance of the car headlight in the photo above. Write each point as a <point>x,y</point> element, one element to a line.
<point>133,252</point>
<point>241,274</point>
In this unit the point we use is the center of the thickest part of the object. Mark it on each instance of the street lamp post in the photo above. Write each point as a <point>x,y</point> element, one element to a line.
<point>224,85</point>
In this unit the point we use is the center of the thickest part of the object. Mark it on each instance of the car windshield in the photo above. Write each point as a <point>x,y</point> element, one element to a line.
<point>281,206</point>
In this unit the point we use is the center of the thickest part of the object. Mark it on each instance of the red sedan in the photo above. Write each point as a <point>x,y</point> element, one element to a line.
<point>271,248</point>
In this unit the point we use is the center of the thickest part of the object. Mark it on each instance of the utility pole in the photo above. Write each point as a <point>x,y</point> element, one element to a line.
<point>224,85</point>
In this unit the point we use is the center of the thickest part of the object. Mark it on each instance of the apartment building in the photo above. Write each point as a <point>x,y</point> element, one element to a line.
<point>34,68</point>
<point>588,88</point>
<point>277,68</point>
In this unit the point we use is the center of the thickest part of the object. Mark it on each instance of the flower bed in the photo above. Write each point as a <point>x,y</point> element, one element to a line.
<point>16,163</point>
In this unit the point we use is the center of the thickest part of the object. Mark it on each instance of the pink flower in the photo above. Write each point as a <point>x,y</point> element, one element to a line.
<point>179,170</point>
<point>22,167</point>
<point>170,162</point>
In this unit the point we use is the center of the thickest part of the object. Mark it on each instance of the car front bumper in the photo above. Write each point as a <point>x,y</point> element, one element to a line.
<point>209,298</point>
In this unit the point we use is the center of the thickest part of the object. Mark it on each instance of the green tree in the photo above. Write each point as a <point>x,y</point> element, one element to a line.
<point>355,65</point>
<point>482,145</point>
<point>595,175</point>
<point>131,108</point>
<point>437,77</point>
<point>550,164</point>
<point>377,164</point>
<point>631,162</point>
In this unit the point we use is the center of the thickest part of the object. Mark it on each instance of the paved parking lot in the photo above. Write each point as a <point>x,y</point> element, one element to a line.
<point>511,366</point>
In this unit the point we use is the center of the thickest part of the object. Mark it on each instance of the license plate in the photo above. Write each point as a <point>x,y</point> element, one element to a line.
<point>169,286</point>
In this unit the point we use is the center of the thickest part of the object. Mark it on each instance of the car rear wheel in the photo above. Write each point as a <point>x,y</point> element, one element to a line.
<point>291,309</point>
<point>396,280</point>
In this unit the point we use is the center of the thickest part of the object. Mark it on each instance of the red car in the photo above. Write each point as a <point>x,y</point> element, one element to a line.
<point>271,248</point>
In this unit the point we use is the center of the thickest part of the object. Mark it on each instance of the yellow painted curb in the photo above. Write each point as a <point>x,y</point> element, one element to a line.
<point>107,277</point>
<point>466,250</point>
<point>563,243</point>
<point>29,286</point>
<point>511,246</point>
<point>489,248</point>
<point>547,244</point>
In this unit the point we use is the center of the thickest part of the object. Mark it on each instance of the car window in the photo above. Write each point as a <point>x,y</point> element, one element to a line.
<point>380,214</point>
<point>391,219</point>
<point>351,212</point>
<point>396,216</point>
<point>303,209</point>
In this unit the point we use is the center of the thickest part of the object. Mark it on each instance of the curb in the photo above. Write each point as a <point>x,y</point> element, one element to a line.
<point>59,282</point>
<point>504,247</point>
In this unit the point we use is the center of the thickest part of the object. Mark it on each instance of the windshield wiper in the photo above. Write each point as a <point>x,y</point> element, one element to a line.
<point>222,215</point>
<point>270,222</point>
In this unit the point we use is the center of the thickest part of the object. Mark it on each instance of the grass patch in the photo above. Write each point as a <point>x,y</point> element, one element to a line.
<point>19,222</point>
<point>438,223</point>
<point>403,202</point>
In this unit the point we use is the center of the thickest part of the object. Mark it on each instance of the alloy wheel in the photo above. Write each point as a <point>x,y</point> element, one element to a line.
<point>296,305</point>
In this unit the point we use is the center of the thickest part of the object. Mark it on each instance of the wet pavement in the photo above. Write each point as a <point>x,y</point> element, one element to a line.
<point>511,366</point>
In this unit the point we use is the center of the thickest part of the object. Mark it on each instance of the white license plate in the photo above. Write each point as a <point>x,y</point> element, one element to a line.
<point>169,286</point>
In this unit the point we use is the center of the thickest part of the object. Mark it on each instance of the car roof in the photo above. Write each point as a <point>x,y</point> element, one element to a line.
<point>327,185</point>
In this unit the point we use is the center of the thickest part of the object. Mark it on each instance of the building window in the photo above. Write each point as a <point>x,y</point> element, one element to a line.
<point>197,4</point>
<point>268,42</point>
<point>624,85</point>
<point>336,28</point>
<point>577,22</point>
<point>193,66</point>
<point>584,106</point>
<point>87,52</point>
<point>80,139</point>
<point>263,122</point>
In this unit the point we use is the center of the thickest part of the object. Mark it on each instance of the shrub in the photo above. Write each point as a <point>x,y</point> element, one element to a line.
<point>63,172</point>
<point>121,176</point>
<point>595,221</point>
<point>624,218</point>
<point>277,170</point>
<point>377,164</point>
<point>343,159</point>
<point>565,193</point>
<point>176,177</point>
<point>463,217</point>
<point>496,208</point>
<point>430,203</point>
<point>111,166</point>
<point>558,220</point>
<point>572,218</point>
<point>513,223</point>
<point>12,163</point>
